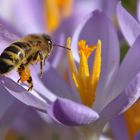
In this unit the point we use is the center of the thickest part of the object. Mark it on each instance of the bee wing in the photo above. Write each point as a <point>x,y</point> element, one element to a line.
<point>7,35</point>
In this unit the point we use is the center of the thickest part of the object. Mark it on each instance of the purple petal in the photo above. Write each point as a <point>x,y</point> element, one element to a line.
<point>123,101</point>
<point>96,27</point>
<point>23,95</point>
<point>39,86</point>
<point>58,52</point>
<point>56,84</point>
<point>109,7</point>
<point>12,112</point>
<point>129,68</point>
<point>137,136</point>
<point>138,9</point>
<point>129,26</point>
<point>71,113</point>
<point>10,107</point>
<point>30,123</point>
<point>28,16</point>
<point>7,35</point>
<point>119,128</point>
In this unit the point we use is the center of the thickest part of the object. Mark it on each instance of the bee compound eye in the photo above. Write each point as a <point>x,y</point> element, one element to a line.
<point>49,42</point>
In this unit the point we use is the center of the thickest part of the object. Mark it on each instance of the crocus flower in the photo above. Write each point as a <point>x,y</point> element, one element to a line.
<point>21,100</point>
<point>118,87</point>
<point>116,91</point>
<point>61,109</point>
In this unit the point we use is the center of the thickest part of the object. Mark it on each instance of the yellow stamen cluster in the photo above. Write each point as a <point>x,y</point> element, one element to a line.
<point>85,81</point>
<point>55,11</point>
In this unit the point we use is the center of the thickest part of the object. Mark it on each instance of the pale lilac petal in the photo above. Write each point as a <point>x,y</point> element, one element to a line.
<point>28,15</point>
<point>119,128</point>
<point>7,35</point>
<point>71,113</point>
<point>123,101</point>
<point>98,26</point>
<point>129,26</point>
<point>33,100</point>
<point>128,70</point>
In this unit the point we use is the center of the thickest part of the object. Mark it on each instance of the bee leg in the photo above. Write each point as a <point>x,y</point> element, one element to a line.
<point>30,82</point>
<point>39,56</point>
<point>41,68</point>
<point>24,73</point>
<point>18,80</point>
<point>20,69</point>
<point>41,63</point>
<point>44,62</point>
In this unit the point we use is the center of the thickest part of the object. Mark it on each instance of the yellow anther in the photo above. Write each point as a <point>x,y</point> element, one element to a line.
<point>85,49</point>
<point>72,64</point>
<point>96,67</point>
<point>86,82</point>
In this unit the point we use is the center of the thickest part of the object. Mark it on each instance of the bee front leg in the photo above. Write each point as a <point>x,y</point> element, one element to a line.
<point>41,63</point>
<point>39,57</point>
<point>41,68</point>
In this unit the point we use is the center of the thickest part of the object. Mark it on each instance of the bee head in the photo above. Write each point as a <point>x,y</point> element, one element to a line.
<point>48,42</point>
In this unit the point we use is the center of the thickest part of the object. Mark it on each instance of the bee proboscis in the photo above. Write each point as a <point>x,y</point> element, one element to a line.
<point>25,51</point>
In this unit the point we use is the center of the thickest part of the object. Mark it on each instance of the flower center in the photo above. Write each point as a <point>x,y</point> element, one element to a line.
<point>85,81</point>
<point>55,10</point>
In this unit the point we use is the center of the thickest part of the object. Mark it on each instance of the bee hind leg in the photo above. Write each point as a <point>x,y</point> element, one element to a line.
<point>24,73</point>
<point>20,70</point>
<point>30,82</point>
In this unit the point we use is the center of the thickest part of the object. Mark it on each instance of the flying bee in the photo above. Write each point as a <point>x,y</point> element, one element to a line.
<point>25,51</point>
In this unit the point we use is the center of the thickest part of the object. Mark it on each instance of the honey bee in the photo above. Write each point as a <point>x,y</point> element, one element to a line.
<point>25,51</point>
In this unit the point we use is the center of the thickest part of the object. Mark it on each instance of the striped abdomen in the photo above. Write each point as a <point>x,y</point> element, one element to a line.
<point>13,56</point>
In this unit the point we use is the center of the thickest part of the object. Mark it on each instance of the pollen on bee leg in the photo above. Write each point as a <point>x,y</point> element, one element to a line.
<point>24,73</point>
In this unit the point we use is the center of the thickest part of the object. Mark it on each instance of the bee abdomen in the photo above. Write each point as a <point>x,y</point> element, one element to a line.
<point>11,57</point>
<point>23,45</point>
<point>5,66</point>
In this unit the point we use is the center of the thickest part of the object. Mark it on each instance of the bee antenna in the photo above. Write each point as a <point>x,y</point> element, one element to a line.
<point>61,46</point>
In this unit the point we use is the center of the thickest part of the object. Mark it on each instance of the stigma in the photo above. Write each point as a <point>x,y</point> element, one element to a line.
<point>85,80</point>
